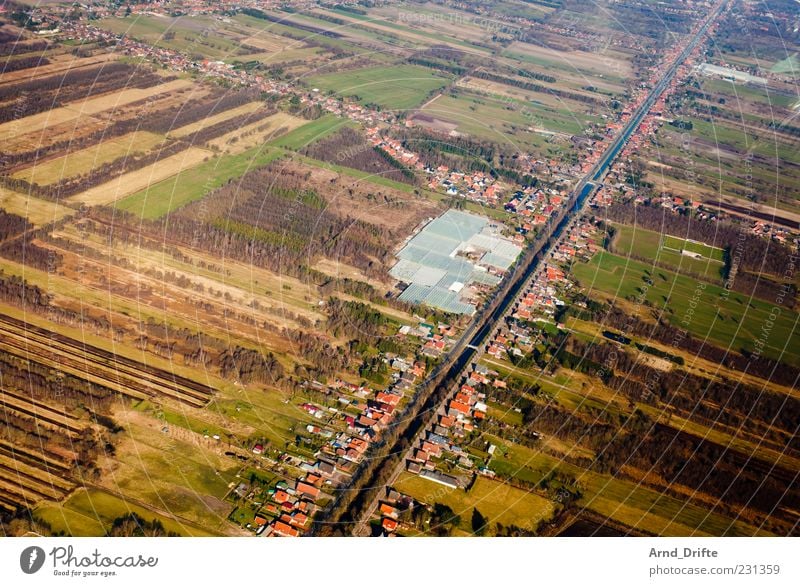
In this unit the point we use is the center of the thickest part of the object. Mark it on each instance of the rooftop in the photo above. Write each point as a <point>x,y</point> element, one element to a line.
<point>450,253</point>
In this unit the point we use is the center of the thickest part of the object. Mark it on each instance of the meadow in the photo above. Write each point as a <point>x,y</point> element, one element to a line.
<point>627,502</point>
<point>196,34</point>
<point>91,512</point>
<point>256,133</point>
<point>141,179</point>
<point>498,502</point>
<point>213,119</point>
<point>674,243</point>
<point>36,211</point>
<point>729,319</point>
<point>187,185</point>
<point>310,132</point>
<point>397,87</point>
<point>665,249</point>
<point>507,121</point>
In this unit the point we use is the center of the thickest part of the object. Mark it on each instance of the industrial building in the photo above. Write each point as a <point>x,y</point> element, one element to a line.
<point>452,255</point>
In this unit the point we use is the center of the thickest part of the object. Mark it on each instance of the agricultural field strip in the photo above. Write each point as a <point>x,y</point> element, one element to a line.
<point>608,273</point>
<point>248,284</point>
<point>726,435</point>
<point>87,107</point>
<point>99,297</point>
<point>262,131</point>
<point>13,474</point>
<point>408,33</point>
<point>693,364</point>
<point>359,34</point>
<point>730,437</point>
<point>478,87</point>
<point>177,293</point>
<point>72,64</point>
<point>35,459</point>
<point>213,119</point>
<point>65,166</point>
<point>17,478</point>
<point>606,495</point>
<point>23,494</point>
<point>40,342</point>
<point>139,179</point>
<point>59,482</point>
<point>36,211</point>
<point>39,411</point>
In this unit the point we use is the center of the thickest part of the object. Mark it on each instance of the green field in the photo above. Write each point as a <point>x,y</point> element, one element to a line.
<point>789,65</point>
<point>192,184</point>
<point>627,502</point>
<point>664,249</point>
<point>746,140</point>
<point>728,319</point>
<point>276,57</point>
<point>309,133</point>
<point>748,93</point>
<point>394,87</point>
<point>188,34</point>
<point>414,34</point>
<point>506,120</point>
<point>91,512</point>
<point>496,501</point>
<point>707,252</point>
<point>172,474</point>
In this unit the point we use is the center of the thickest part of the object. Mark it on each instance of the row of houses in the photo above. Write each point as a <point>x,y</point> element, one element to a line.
<point>348,429</point>
<point>439,455</point>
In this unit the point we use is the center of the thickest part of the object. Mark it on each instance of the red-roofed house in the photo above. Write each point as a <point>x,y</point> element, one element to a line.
<point>310,490</point>
<point>284,529</point>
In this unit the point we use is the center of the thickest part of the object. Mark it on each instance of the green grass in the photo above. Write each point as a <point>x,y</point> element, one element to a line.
<point>284,56</point>
<point>505,120</point>
<point>629,240</point>
<point>175,475</point>
<point>395,87</point>
<point>243,514</point>
<point>789,65</point>
<point>747,93</point>
<point>266,412</point>
<point>192,423</point>
<point>624,501</point>
<point>292,34</point>
<point>195,183</point>
<point>415,31</point>
<point>727,319</point>
<point>759,142</point>
<point>706,251</point>
<point>309,133</point>
<point>69,522</point>
<point>91,512</point>
<point>496,501</point>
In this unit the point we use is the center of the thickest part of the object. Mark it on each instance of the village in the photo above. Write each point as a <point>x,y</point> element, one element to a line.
<point>282,487</point>
<point>346,419</point>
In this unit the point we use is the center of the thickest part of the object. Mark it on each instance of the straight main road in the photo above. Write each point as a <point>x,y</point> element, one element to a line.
<point>478,333</point>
